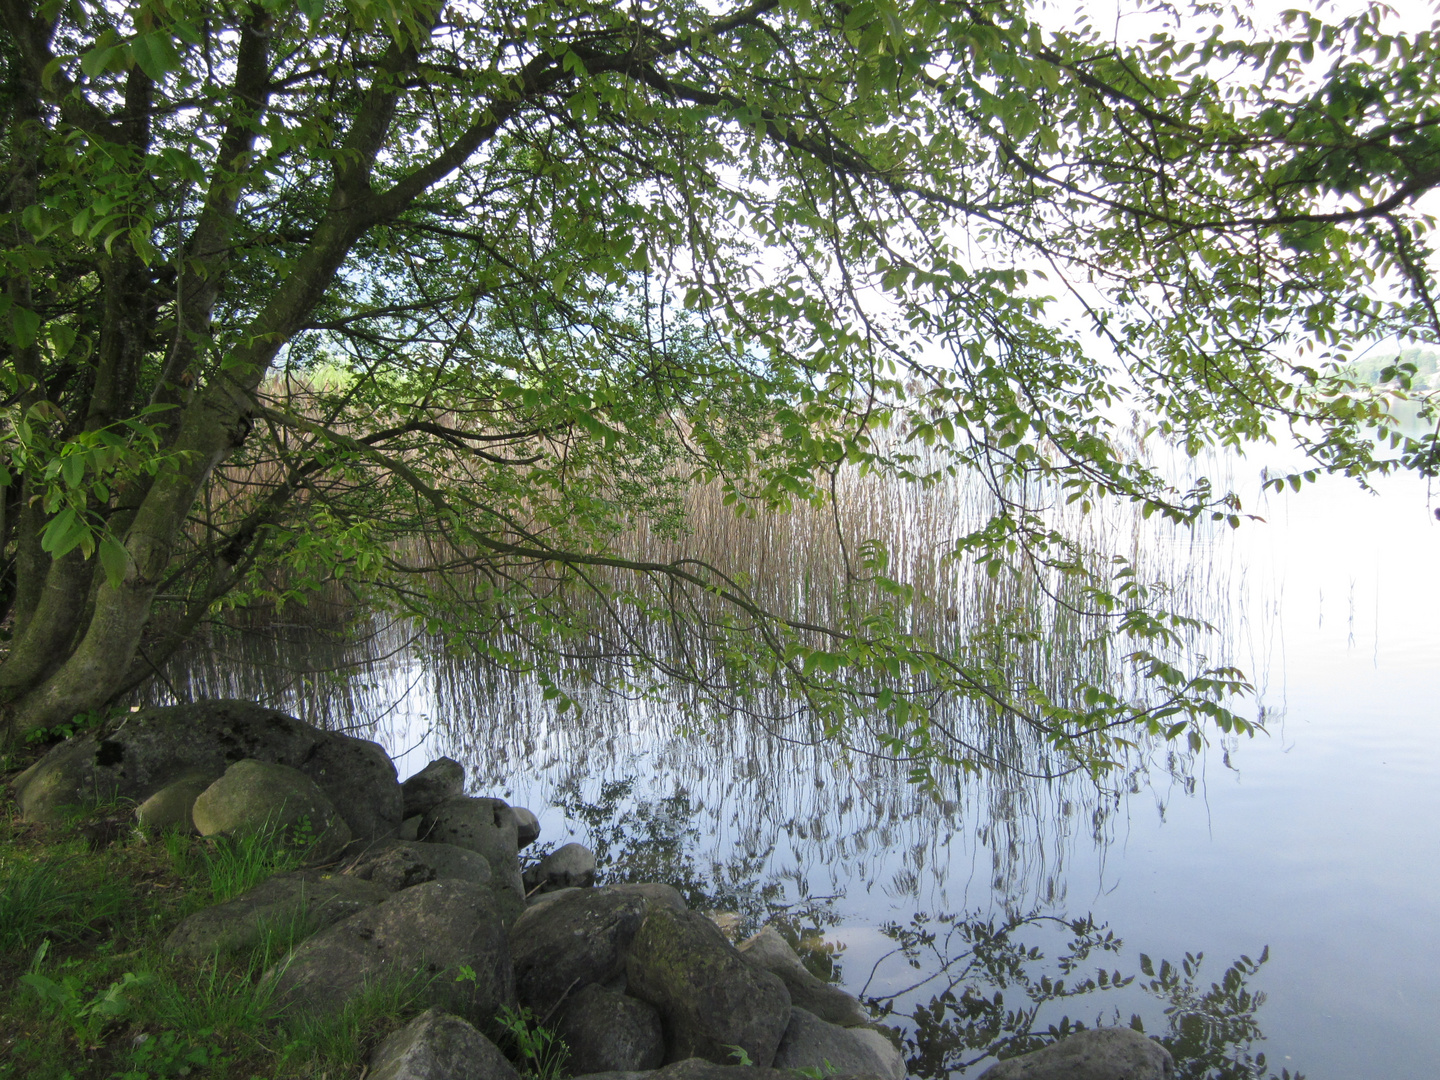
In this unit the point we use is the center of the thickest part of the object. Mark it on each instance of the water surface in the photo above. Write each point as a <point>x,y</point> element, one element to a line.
<point>1319,840</point>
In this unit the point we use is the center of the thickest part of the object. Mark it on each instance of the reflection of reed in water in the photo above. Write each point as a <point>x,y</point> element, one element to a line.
<point>829,820</point>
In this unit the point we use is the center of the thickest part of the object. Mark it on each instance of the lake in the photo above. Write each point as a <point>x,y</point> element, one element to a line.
<point>1319,841</point>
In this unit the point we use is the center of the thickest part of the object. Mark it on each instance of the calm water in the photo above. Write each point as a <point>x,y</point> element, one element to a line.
<point>1320,840</point>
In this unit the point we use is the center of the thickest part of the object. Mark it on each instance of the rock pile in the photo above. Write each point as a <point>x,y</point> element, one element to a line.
<point>419,886</point>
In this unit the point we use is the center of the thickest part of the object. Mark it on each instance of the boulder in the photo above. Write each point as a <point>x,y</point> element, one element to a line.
<point>398,865</point>
<point>606,1030</point>
<point>136,756</point>
<point>581,938</point>
<point>652,891</point>
<point>486,826</point>
<point>312,898</point>
<point>359,778</point>
<point>443,778</point>
<point>569,867</point>
<point>409,828</point>
<point>811,1043</point>
<point>1115,1053</point>
<point>700,1069</point>
<point>169,808</point>
<point>529,826</point>
<point>768,950</point>
<point>709,996</point>
<point>256,797</point>
<point>438,1046</point>
<point>431,938</point>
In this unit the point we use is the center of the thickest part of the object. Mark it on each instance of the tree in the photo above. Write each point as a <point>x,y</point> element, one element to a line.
<point>298,282</point>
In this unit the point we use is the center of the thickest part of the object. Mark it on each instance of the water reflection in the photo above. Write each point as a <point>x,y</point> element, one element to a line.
<point>828,821</point>
<point>961,991</point>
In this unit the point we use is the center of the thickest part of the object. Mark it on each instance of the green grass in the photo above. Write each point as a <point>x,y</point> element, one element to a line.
<point>233,865</point>
<point>88,990</point>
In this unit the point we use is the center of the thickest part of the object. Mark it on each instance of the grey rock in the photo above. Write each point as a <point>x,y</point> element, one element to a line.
<point>397,865</point>
<point>535,900</point>
<point>529,826</point>
<point>811,1043</point>
<point>700,1069</point>
<point>312,898</point>
<point>769,950</point>
<point>438,1046</point>
<point>360,780</point>
<point>257,797</point>
<point>581,938</point>
<point>652,892</point>
<point>568,867</point>
<point>1115,1053</point>
<point>443,778</point>
<point>423,938</point>
<point>409,828</point>
<point>709,996</point>
<point>605,1031</point>
<point>169,808</point>
<point>141,753</point>
<point>486,826</point>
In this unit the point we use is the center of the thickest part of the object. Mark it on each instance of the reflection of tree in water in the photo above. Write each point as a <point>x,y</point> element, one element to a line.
<point>652,840</point>
<point>979,990</point>
<point>989,993</point>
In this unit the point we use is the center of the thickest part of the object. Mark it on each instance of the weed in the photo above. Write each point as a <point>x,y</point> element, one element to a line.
<point>217,998</point>
<point>79,723</point>
<point>235,864</point>
<point>170,1054</point>
<point>741,1055</point>
<point>87,1015</point>
<point>342,1040</point>
<point>179,847</point>
<point>537,1051</point>
<point>45,899</point>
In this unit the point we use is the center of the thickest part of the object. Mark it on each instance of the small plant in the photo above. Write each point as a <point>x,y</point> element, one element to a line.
<point>235,864</point>
<point>80,722</point>
<point>43,900</point>
<point>341,1041</point>
<point>86,1015</point>
<point>219,998</point>
<point>741,1055</point>
<point>537,1051</point>
<point>816,1072</point>
<point>171,1054</point>
<point>179,847</point>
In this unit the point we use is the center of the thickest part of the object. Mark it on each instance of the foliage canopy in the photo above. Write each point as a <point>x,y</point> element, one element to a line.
<point>447,298</point>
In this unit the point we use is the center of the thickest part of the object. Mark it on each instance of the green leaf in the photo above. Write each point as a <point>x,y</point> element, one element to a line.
<point>115,560</point>
<point>27,326</point>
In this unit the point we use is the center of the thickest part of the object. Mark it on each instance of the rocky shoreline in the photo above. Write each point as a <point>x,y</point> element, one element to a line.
<point>420,886</point>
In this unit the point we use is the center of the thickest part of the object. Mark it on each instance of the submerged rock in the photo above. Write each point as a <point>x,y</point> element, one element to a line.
<point>1114,1053</point>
